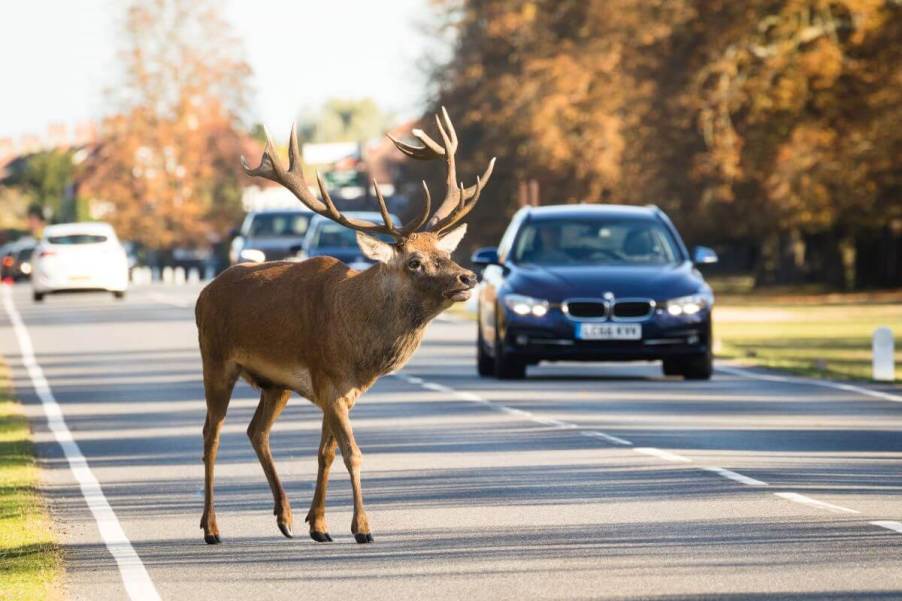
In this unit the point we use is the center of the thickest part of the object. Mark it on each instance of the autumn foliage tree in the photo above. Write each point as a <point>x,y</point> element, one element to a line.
<point>765,125</point>
<point>165,171</point>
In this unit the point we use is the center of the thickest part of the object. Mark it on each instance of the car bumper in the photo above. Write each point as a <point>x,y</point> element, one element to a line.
<point>43,282</point>
<point>553,338</point>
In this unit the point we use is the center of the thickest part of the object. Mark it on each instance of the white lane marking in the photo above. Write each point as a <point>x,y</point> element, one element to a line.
<point>738,371</point>
<point>735,476</point>
<point>608,437</point>
<point>894,526</point>
<point>802,499</point>
<point>475,398</point>
<point>168,300</point>
<point>661,454</point>
<point>137,581</point>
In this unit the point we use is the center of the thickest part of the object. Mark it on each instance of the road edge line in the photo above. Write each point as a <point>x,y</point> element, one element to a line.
<point>135,578</point>
<point>745,373</point>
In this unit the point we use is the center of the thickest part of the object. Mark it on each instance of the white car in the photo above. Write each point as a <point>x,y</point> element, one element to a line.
<point>79,256</point>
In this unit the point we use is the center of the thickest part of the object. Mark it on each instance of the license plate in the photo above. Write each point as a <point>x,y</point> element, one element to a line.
<point>609,331</point>
<point>79,278</point>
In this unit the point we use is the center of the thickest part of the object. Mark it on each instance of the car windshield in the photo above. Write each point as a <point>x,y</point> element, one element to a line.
<point>278,225</point>
<point>70,239</point>
<point>334,235</point>
<point>595,242</point>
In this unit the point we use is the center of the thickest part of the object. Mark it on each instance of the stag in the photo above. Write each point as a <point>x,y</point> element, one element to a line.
<point>326,331</point>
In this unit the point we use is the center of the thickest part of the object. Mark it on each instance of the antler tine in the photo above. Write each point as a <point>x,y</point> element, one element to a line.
<point>418,222</point>
<point>386,218</point>
<point>464,209</point>
<point>293,179</point>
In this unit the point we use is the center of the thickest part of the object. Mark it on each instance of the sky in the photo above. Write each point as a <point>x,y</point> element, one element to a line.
<point>59,56</point>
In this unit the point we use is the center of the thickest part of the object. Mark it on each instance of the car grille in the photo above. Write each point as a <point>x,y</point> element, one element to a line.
<point>587,309</point>
<point>633,309</point>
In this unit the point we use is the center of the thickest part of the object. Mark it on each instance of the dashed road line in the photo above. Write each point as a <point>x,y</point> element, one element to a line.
<point>651,451</point>
<point>607,437</point>
<point>735,476</point>
<point>894,526</point>
<point>138,584</point>
<point>804,500</point>
<point>475,398</point>
<point>662,454</point>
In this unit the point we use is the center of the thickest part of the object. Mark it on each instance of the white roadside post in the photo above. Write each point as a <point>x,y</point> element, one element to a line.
<point>193,276</point>
<point>179,276</point>
<point>882,347</point>
<point>167,275</point>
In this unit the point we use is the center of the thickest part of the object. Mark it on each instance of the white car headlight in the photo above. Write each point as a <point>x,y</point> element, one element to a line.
<point>253,255</point>
<point>526,305</point>
<point>690,305</point>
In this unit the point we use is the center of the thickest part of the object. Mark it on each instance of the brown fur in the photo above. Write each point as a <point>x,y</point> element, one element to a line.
<point>325,331</point>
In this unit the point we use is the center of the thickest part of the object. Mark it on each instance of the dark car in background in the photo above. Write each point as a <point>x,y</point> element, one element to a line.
<point>15,259</point>
<point>328,238</point>
<point>270,236</point>
<point>593,283</point>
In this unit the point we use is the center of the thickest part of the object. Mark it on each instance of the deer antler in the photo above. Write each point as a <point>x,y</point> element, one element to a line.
<point>293,179</point>
<point>459,200</point>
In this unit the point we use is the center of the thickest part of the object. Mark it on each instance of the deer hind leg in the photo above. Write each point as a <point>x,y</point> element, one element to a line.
<point>272,401</point>
<point>218,384</point>
<point>340,424</point>
<point>316,517</point>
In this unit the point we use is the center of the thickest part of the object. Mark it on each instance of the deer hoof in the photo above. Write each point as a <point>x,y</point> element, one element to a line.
<point>363,538</point>
<point>320,537</point>
<point>286,529</point>
<point>212,539</point>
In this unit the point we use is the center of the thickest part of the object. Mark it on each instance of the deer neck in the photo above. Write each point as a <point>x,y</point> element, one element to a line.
<point>379,302</point>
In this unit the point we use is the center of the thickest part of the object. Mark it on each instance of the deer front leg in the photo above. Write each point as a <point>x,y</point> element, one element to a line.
<point>316,517</point>
<point>340,423</point>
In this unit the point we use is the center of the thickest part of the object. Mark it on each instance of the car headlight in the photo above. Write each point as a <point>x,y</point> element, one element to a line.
<point>690,305</point>
<point>526,305</point>
<point>253,255</point>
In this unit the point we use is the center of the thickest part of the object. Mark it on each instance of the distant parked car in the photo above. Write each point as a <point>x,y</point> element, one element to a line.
<point>269,236</point>
<point>593,283</point>
<point>79,256</point>
<point>15,259</point>
<point>327,238</point>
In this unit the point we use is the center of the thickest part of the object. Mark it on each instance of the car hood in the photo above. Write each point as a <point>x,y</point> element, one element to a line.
<point>659,282</point>
<point>273,248</point>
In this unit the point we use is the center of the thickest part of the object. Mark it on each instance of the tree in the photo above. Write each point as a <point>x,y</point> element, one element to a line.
<point>774,117</point>
<point>166,169</point>
<point>345,120</point>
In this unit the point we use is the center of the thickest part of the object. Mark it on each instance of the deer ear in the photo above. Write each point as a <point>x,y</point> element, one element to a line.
<point>449,241</point>
<point>375,249</point>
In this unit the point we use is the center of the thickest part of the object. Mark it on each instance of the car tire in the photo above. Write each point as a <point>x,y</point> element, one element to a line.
<point>507,367</point>
<point>485,364</point>
<point>37,297</point>
<point>119,294</point>
<point>691,367</point>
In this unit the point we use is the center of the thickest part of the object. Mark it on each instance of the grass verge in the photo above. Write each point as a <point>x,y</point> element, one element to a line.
<point>825,335</point>
<point>30,563</point>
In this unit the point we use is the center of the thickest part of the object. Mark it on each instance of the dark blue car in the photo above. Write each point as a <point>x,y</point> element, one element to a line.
<point>593,283</point>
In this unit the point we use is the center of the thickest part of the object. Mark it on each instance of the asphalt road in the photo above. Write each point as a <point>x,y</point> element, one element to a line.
<point>583,482</point>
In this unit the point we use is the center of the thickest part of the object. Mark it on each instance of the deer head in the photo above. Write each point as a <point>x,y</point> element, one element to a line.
<point>420,257</point>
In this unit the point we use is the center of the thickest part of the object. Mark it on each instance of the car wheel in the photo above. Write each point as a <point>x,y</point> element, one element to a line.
<point>507,367</point>
<point>37,297</point>
<point>691,367</point>
<point>119,294</point>
<point>485,365</point>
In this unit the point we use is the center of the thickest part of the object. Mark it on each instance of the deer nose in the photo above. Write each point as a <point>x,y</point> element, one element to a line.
<point>467,278</point>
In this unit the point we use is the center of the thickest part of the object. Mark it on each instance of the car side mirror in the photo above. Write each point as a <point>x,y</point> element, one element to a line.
<point>702,255</point>
<point>485,256</point>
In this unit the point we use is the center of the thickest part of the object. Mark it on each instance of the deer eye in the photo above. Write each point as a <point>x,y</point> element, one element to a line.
<point>414,264</point>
